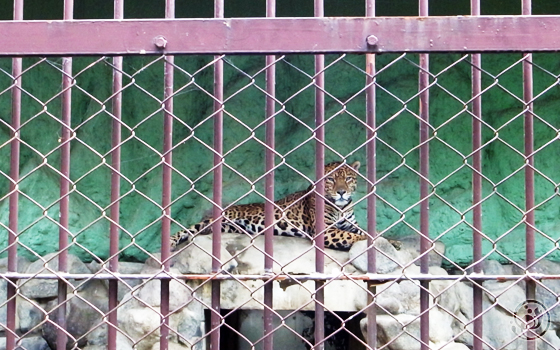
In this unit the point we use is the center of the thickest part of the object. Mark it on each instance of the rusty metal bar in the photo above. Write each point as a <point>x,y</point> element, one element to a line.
<point>529,148</point>
<point>477,187</point>
<point>63,233</point>
<point>379,278</point>
<point>282,35</point>
<point>424,126</point>
<point>11,336</point>
<point>530,287</point>
<point>371,312</point>
<point>116,110</point>
<point>166,185</point>
<point>320,189</point>
<point>215,315</point>
<point>268,341</point>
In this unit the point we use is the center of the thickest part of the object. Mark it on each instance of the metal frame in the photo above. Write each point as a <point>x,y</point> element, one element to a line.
<point>281,35</point>
<point>319,35</point>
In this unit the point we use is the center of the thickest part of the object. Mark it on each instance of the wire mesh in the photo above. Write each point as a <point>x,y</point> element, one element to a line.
<point>117,153</point>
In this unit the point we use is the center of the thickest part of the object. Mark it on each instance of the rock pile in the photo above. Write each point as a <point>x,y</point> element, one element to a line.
<point>397,303</point>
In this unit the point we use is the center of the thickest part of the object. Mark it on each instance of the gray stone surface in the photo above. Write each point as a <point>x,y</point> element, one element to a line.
<point>387,257</point>
<point>28,343</point>
<point>30,313</point>
<point>84,312</point>
<point>124,285</point>
<point>41,288</point>
<point>22,264</point>
<point>410,250</point>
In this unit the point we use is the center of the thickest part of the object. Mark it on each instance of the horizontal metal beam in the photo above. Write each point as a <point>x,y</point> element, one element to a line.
<point>379,278</point>
<point>281,35</point>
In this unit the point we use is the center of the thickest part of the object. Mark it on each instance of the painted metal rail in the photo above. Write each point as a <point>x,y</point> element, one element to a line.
<point>273,36</point>
<point>281,35</point>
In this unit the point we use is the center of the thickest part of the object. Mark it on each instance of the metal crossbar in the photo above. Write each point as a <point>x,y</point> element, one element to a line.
<point>452,97</point>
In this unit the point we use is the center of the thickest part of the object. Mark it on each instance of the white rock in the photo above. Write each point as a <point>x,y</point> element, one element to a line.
<point>387,259</point>
<point>508,295</point>
<point>410,251</point>
<point>291,255</point>
<point>125,285</point>
<point>440,326</point>
<point>452,346</point>
<point>171,346</point>
<point>197,257</point>
<point>390,329</point>
<point>150,292</point>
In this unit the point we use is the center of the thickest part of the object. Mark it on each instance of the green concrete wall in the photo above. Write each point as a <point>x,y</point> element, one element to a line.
<point>397,156</point>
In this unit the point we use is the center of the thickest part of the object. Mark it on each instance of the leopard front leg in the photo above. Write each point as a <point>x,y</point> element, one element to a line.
<point>342,240</point>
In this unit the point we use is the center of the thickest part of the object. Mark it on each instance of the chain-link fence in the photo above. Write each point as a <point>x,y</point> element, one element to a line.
<point>116,134</point>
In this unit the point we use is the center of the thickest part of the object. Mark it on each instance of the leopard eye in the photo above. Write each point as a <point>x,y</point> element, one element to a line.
<point>330,178</point>
<point>349,179</point>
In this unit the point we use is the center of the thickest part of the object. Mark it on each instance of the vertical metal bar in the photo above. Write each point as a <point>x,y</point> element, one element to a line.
<point>477,186</point>
<point>320,189</point>
<point>66,135</point>
<point>215,316</point>
<point>531,286</point>
<point>11,336</point>
<point>115,188</point>
<point>371,314</point>
<point>269,187</point>
<point>529,148</point>
<point>424,189</point>
<point>166,186</point>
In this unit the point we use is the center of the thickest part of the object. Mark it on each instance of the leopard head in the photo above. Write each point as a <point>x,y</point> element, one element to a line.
<point>340,182</point>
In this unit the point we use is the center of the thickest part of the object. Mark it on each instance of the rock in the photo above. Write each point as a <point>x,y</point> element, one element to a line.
<point>388,300</point>
<point>140,319</point>
<point>501,329</point>
<point>140,323</point>
<point>493,267</point>
<point>390,330</point>
<point>440,326</point>
<point>453,346</point>
<point>546,290</point>
<point>122,344</point>
<point>28,343</point>
<point>196,258</point>
<point>22,264</point>
<point>190,325</point>
<point>30,313</point>
<point>125,285</point>
<point>40,288</point>
<point>291,255</point>
<point>150,292</point>
<point>410,251</point>
<point>84,312</point>
<point>387,258</point>
<point>507,295</point>
<point>171,346</point>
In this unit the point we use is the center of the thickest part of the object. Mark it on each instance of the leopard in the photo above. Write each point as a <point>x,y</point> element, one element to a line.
<point>295,214</point>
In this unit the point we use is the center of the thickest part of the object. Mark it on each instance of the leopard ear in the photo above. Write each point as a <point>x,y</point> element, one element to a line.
<point>356,165</point>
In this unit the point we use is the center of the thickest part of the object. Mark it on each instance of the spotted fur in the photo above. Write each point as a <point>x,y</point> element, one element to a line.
<point>295,213</point>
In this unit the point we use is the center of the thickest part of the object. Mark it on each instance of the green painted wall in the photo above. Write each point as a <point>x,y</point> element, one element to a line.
<point>397,156</point>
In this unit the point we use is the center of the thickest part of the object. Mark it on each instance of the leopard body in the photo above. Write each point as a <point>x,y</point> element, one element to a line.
<point>294,214</point>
